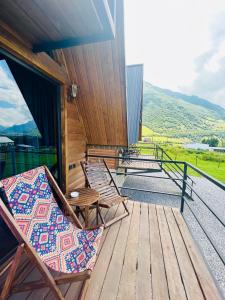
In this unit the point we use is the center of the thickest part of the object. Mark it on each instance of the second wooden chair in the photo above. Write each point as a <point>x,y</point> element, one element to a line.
<point>99,177</point>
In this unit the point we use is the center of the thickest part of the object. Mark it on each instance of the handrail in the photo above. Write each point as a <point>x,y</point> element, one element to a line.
<point>185,185</point>
<point>136,158</point>
<point>177,165</point>
<point>206,233</point>
<point>210,178</point>
<point>164,152</point>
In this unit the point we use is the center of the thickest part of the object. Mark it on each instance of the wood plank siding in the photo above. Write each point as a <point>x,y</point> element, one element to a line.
<point>148,255</point>
<point>98,115</point>
<point>111,163</point>
<point>74,137</point>
<point>99,71</point>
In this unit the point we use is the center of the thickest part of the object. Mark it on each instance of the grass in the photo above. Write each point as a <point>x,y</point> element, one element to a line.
<point>28,160</point>
<point>212,163</point>
<point>152,136</point>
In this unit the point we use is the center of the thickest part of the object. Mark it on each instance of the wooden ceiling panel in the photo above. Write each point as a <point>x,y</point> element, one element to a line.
<point>72,17</point>
<point>56,20</point>
<point>19,20</point>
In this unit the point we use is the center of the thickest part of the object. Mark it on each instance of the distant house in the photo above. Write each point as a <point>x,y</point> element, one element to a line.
<point>5,141</point>
<point>196,146</point>
<point>134,102</point>
<point>217,149</point>
<point>25,147</point>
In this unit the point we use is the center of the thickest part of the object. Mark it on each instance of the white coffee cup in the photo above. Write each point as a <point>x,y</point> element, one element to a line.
<point>74,194</point>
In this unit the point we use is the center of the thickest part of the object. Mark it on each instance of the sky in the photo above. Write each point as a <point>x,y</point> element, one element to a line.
<point>13,108</point>
<point>181,44</point>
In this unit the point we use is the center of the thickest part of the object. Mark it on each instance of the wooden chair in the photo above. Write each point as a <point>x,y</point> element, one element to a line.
<point>55,243</point>
<point>99,177</point>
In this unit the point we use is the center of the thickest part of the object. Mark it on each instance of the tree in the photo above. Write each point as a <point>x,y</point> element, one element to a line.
<point>211,141</point>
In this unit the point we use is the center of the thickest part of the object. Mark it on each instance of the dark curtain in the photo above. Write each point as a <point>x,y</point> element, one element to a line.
<point>40,96</point>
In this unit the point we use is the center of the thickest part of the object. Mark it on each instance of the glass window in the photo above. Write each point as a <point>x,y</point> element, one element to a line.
<point>29,134</point>
<point>28,117</point>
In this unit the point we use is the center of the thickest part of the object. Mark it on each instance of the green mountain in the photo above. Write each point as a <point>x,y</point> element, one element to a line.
<point>178,115</point>
<point>29,128</point>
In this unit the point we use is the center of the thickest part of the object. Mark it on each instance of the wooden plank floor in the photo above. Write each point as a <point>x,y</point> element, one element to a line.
<point>140,165</point>
<point>148,255</point>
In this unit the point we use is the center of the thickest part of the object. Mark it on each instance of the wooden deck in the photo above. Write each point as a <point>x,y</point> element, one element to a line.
<point>140,165</point>
<point>148,255</point>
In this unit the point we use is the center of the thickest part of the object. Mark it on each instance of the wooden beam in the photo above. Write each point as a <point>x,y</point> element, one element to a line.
<point>43,62</point>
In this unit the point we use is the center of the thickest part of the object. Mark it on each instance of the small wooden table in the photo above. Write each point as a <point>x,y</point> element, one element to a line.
<point>86,198</point>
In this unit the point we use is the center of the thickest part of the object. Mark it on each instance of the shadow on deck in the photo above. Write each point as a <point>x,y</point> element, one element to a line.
<point>148,255</point>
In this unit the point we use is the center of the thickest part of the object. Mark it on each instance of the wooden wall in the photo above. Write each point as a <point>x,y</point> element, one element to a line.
<point>99,71</point>
<point>74,137</point>
<point>99,114</point>
<point>111,163</point>
<point>76,147</point>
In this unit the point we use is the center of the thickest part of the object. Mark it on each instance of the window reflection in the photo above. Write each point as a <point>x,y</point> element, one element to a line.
<point>22,145</point>
<point>29,132</point>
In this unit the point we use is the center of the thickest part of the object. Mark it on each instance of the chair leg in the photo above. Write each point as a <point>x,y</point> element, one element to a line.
<point>82,215</point>
<point>84,289</point>
<point>97,212</point>
<point>125,206</point>
<point>101,217</point>
<point>48,278</point>
<point>116,219</point>
<point>9,280</point>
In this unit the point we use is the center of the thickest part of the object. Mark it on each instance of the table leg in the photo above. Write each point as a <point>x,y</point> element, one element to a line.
<point>97,212</point>
<point>86,212</point>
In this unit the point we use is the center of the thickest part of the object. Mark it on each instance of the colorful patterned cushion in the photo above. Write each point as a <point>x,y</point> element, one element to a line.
<point>60,244</point>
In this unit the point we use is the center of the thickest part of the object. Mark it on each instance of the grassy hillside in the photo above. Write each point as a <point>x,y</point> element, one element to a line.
<point>158,139</point>
<point>181,116</point>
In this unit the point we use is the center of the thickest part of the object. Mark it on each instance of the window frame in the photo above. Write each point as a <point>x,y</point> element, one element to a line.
<point>58,107</point>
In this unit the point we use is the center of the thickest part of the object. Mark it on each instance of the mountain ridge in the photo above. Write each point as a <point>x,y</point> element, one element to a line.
<point>180,115</point>
<point>191,99</point>
<point>28,128</point>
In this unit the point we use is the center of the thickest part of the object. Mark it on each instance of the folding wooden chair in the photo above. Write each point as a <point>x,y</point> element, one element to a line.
<point>51,240</point>
<point>99,177</point>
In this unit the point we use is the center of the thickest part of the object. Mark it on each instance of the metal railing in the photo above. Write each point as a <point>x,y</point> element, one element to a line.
<point>142,172</point>
<point>170,169</point>
<point>183,183</point>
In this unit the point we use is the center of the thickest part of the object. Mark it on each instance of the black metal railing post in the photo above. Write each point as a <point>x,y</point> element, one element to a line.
<point>161,164</point>
<point>13,158</point>
<point>157,152</point>
<point>183,188</point>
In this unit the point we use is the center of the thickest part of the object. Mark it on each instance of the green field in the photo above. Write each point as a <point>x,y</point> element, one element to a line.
<point>28,160</point>
<point>154,137</point>
<point>213,163</point>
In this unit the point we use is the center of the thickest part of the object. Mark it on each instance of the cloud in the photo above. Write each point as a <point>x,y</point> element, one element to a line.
<point>209,81</point>
<point>13,108</point>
